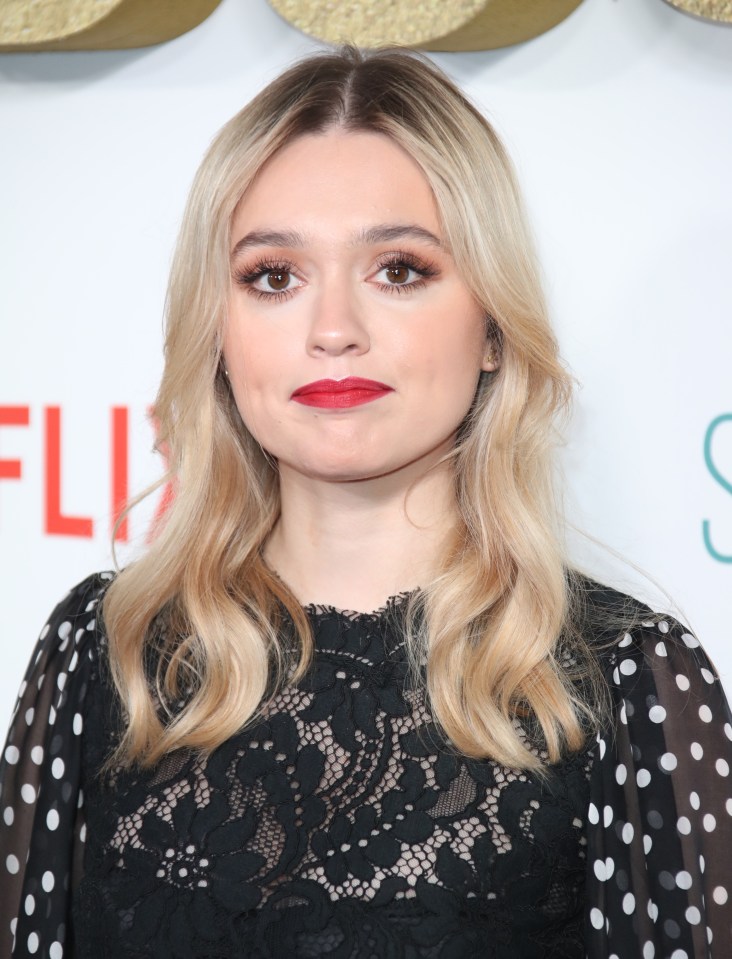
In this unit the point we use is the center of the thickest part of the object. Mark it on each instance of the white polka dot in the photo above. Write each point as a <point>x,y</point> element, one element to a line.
<point>628,667</point>
<point>694,800</point>
<point>597,919</point>
<point>29,905</point>
<point>693,916</point>
<point>57,768</point>
<point>628,903</point>
<point>708,676</point>
<point>679,954</point>
<point>64,630</point>
<point>662,626</point>
<point>719,895</point>
<point>51,716</point>
<point>682,682</point>
<point>683,879</point>
<point>709,822</point>
<point>722,767</point>
<point>625,641</point>
<point>33,942</point>
<point>621,774</point>
<point>728,807</point>
<point>652,910</point>
<point>667,762</point>
<point>607,816</point>
<point>628,833</point>
<point>48,881</point>
<point>702,864</point>
<point>649,950</point>
<point>661,648</point>
<point>696,750</point>
<point>37,755</point>
<point>647,844</point>
<point>56,951</point>
<point>12,864</point>
<point>603,747</point>
<point>52,819</point>
<point>728,731</point>
<point>593,814</point>
<point>705,714</point>
<point>61,680</point>
<point>691,641</point>
<point>29,714</point>
<point>9,814</point>
<point>657,714</point>
<point>683,825</point>
<point>78,724</point>
<point>12,755</point>
<point>600,870</point>
<point>28,793</point>
<point>642,777</point>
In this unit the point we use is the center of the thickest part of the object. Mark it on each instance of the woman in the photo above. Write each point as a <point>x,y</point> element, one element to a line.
<point>354,701</point>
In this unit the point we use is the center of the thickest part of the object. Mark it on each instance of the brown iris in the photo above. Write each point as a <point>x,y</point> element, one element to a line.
<point>398,274</point>
<point>278,279</point>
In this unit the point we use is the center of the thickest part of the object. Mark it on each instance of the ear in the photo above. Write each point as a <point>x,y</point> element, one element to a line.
<point>491,359</point>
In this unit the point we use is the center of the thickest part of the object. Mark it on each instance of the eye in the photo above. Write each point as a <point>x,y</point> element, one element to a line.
<point>402,271</point>
<point>398,274</point>
<point>269,280</point>
<point>275,281</point>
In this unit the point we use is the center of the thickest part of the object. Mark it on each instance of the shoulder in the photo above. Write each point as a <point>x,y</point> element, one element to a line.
<point>616,625</point>
<point>83,598</point>
<point>645,655</point>
<point>71,635</point>
<point>78,609</point>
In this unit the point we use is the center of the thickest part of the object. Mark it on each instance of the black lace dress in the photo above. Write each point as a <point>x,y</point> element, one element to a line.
<point>342,826</point>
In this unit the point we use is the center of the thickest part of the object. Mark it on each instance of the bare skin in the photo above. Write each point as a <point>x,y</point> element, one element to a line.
<point>340,270</point>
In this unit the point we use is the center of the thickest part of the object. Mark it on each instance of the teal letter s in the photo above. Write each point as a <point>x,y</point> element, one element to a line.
<point>723,482</point>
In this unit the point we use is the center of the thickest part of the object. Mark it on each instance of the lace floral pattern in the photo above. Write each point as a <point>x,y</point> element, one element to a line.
<point>339,825</point>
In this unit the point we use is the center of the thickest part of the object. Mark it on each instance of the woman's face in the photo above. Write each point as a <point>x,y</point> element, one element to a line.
<point>353,346</point>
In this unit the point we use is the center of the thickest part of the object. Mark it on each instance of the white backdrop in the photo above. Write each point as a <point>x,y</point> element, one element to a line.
<point>620,121</point>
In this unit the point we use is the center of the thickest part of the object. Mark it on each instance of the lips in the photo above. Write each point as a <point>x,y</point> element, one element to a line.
<point>340,394</point>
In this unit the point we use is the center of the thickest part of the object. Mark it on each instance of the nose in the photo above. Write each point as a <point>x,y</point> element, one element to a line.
<point>337,325</point>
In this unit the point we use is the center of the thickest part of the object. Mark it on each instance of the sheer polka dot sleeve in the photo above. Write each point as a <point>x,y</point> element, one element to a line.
<point>660,819</point>
<point>42,816</point>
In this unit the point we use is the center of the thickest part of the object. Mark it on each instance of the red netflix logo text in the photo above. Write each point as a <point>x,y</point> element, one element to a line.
<point>56,522</point>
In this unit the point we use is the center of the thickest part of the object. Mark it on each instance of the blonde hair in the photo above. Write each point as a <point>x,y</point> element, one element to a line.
<point>202,599</point>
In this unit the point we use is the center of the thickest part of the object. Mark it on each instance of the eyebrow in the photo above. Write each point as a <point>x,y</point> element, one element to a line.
<point>382,233</point>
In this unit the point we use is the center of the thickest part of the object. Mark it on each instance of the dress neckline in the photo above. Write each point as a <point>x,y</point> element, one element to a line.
<point>394,603</point>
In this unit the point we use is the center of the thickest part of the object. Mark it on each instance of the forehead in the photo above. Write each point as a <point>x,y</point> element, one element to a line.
<point>338,181</point>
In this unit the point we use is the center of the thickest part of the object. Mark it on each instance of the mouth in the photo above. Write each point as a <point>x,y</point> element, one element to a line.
<point>340,394</point>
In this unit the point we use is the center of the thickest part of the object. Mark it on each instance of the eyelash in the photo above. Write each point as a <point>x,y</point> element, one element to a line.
<point>247,278</point>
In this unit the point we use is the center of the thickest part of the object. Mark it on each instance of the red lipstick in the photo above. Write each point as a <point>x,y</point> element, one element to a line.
<point>340,394</point>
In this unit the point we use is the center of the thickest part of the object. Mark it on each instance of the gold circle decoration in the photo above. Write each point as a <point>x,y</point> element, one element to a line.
<point>428,24</point>
<point>719,11</point>
<point>96,24</point>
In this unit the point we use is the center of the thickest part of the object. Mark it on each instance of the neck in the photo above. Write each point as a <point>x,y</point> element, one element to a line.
<point>352,545</point>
